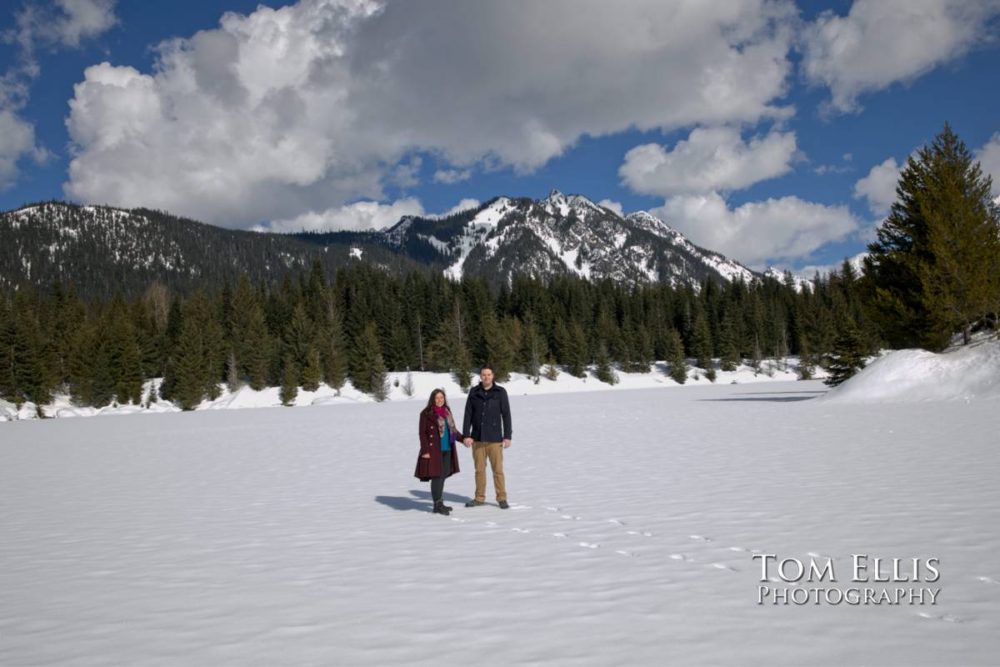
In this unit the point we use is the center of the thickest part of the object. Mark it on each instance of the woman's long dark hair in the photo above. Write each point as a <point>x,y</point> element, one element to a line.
<point>430,401</point>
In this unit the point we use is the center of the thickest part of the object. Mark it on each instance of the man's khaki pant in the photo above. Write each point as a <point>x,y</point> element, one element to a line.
<point>494,452</point>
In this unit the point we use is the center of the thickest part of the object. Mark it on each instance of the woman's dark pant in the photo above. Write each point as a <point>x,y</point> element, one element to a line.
<point>437,483</point>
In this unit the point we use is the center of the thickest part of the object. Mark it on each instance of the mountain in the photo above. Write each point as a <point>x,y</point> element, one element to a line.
<point>559,235</point>
<point>102,250</point>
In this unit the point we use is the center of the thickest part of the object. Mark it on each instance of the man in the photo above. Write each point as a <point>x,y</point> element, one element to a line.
<point>488,431</point>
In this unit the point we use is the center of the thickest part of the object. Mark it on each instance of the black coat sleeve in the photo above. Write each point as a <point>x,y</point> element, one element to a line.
<point>467,420</point>
<point>508,428</point>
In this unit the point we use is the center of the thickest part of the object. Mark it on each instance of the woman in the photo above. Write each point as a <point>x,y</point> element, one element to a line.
<point>438,458</point>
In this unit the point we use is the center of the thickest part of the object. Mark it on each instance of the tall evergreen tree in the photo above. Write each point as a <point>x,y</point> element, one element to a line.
<point>289,381</point>
<point>604,371</point>
<point>932,269</point>
<point>675,356</point>
<point>312,372</point>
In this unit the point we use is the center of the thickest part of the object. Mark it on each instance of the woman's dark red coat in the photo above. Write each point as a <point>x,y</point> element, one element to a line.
<point>430,443</point>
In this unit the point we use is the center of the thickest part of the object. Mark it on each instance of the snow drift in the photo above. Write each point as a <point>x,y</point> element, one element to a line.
<point>964,373</point>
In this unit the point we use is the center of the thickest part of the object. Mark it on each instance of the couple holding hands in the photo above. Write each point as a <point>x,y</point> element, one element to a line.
<point>487,430</point>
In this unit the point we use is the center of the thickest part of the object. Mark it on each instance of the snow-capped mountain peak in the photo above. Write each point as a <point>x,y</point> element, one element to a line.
<point>565,235</point>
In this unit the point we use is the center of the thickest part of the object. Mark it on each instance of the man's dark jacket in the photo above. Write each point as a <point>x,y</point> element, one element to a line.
<point>484,412</point>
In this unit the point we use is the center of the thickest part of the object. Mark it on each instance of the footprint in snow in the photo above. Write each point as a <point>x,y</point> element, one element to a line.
<point>700,538</point>
<point>491,524</point>
<point>616,522</point>
<point>558,534</point>
<point>553,509</point>
<point>589,545</point>
<point>625,553</point>
<point>455,518</point>
<point>723,566</point>
<point>571,517</point>
<point>737,549</point>
<point>940,617</point>
<point>680,557</point>
<point>988,580</point>
<point>521,530</point>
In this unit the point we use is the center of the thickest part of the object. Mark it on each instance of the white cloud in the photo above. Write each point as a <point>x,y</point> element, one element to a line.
<point>450,176</point>
<point>354,217</point>
<point>989,159</point>
<point>61,23</point>
<point>615,206</point>
<point>463,205</point>
<point>312,105</point>
<point>810,270</point>
<point>17,141</point>
<point>879,187</point>
<point>881,42</point>
<point>64,24</point>
<point>758,233</point>
<point>710,159</point>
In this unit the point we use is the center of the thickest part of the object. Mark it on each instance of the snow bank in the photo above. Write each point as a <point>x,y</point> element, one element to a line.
<point>964,373</point>
<point>423,383</point>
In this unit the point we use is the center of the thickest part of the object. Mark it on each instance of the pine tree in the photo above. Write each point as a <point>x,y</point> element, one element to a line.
<point>312,372</point>
<point>932,269</point>
<point>249,338</point>
<point>551,371</point>
<point>579,355</point>
<point>604,371</point>
<point>675,355</point>
<point>334,364</point>
<point>701,341</point>
<point>730,359</point>
<point>369,374</point>
<point>8,385</point>
<point>848,356</point>
<point>289,382</point>
<point>498,347</point>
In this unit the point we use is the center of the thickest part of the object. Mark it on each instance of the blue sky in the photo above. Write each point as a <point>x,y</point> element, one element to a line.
<point>769,131</point>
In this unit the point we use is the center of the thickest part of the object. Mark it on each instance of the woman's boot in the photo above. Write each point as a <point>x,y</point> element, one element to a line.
<point>441,508</point>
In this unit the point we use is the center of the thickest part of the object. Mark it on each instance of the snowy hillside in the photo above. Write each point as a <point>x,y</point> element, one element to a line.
<point>278,537</point>
<point>562,235</point>
<point>961,373</point>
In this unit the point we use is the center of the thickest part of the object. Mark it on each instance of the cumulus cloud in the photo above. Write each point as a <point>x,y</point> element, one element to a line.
<point>710,159</point>
<point>360,216</point>
<point>881,42</point>
<point>355,217</point>
<point>615,206</point>
<point>808,271</point>
<point>989,159</point>
<point>62,24</point>
<point>463,205</point>
<point>17,141</point>
<point>879,187</point>
<point>758,233</point>
<point>451,176</point>
<point>313,105</point>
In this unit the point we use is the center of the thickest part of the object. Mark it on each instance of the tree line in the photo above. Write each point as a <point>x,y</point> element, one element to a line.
<point>931,272</point>
<point>363,322</point>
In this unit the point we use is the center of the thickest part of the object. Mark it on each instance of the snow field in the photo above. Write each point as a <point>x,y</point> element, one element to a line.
<point>301,537</point>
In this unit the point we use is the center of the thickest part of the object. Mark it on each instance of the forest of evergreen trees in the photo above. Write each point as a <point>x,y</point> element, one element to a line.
<point>931,272</point>
<point>364,322</point>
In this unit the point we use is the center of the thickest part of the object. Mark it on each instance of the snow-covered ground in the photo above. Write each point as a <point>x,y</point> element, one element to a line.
<point>423,384</point>
<point>300,536</point>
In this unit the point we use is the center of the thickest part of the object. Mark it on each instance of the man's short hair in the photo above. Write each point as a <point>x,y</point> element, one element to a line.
<point>487,366</point>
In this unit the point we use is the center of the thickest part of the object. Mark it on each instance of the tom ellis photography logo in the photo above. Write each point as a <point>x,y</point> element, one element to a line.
<point>872,581</point>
